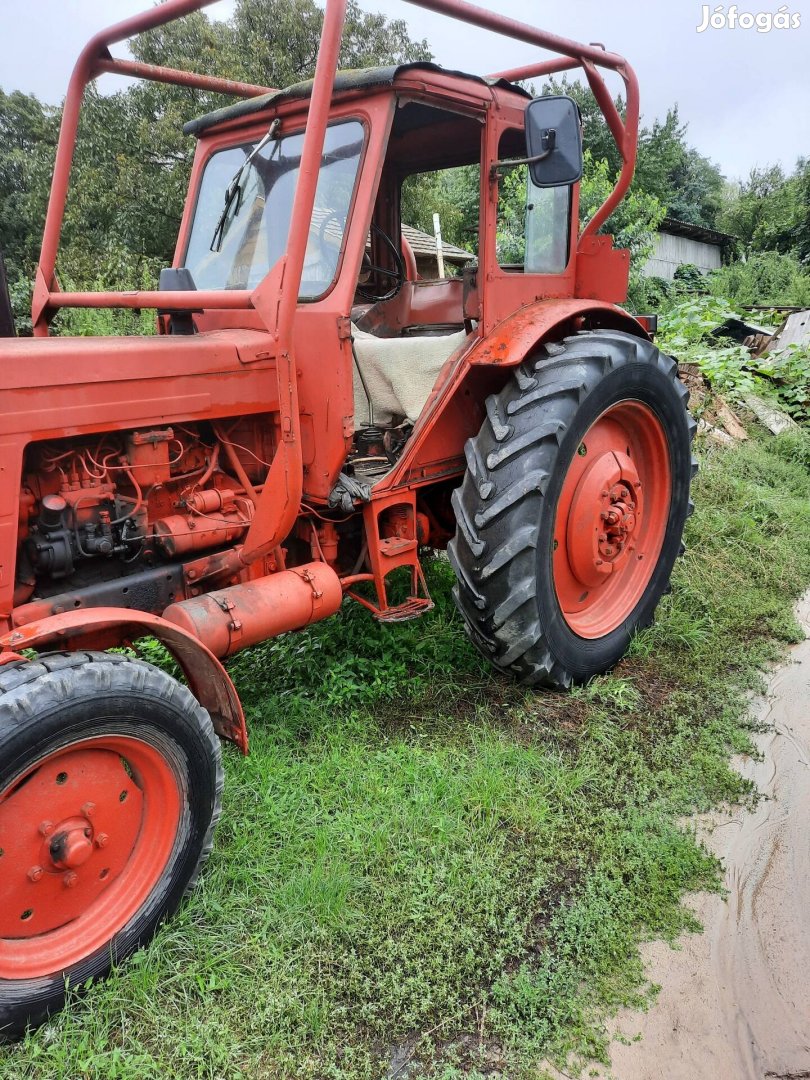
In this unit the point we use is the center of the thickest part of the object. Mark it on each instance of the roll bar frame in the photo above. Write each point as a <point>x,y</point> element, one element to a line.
<point>95,59</point>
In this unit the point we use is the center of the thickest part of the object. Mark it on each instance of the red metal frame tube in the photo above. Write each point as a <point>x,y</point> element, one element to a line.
<point>500,24</point>
<point>95,59</point>
<point>537,70</point>
<point>175,77</point>
<point>276,299</point>
<point>310,168</point>
<point>589,56</point>
<point>628,147</point>
<point>86,69</point>
<point>225,299</point>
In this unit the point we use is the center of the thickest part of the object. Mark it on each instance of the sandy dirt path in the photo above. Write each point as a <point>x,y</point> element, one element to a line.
<point>735,1000</point>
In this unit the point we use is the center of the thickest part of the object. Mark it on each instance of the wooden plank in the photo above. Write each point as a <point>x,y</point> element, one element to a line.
<point>774,419</point>
<point>730,421</point>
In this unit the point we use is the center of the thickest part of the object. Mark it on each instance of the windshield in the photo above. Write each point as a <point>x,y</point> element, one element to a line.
<point>253,233</point>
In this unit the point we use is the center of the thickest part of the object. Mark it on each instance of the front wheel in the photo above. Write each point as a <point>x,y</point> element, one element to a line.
<point>571,512</point>
<point>110,785</point>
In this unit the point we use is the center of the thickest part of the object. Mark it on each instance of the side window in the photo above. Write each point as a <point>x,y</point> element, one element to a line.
<point>548,218</point>
<point>533,224</point>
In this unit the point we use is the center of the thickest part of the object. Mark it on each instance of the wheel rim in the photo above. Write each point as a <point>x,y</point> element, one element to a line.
<point>86,833</point>
<point>611,519</point>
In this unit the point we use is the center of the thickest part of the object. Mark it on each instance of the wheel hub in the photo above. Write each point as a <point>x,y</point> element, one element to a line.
<point>70,845</point>
<point>619,522</point>
<point>71,825</point>
<point>604,515</point>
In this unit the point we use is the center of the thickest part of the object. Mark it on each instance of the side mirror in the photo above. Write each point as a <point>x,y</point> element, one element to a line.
<point>554,141</point>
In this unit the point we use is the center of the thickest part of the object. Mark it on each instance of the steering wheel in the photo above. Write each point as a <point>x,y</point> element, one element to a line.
<point>323,243</point>
<point>397,275</point>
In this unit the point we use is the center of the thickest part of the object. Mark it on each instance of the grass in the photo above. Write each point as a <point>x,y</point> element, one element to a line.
<point>424,870</point>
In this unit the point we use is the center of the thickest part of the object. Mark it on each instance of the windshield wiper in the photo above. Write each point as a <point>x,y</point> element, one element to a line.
<point>233,192</point>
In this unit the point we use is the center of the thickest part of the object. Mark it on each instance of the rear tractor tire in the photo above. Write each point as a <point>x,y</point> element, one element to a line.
<point>572,508</point>
<point>110,785</point>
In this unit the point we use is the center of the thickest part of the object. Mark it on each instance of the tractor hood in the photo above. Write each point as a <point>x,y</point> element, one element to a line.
<point>56,386</point>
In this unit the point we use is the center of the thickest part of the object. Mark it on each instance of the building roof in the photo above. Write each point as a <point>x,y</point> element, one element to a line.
<point>694,232</point>
<point>424,245</point>
<point>352,79</point>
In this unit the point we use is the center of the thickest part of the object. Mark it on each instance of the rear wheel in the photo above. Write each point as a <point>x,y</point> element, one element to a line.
<point>110,784</point>
<point>571,512</point>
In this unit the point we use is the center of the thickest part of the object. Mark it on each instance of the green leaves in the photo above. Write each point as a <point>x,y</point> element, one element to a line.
<point>790,372</point>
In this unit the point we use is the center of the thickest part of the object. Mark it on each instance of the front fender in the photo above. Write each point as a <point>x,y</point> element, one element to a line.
<point>104,628</point>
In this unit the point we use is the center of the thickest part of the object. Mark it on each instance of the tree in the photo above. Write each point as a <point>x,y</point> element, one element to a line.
<point>770,211</point>
<point>27,140</point>
<point>686,183</point>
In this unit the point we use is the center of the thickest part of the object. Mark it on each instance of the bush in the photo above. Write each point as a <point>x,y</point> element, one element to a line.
<point>20,295</point>
<point>686,332</point>
<point>790,372</point>
<point>649,294</point>
<point>691,279</point>
<point>118,270</point>
<point>766,278</point>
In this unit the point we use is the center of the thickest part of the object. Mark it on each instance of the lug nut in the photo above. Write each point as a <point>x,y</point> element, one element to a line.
<point>102,839</point>
<point>35,873</point>
<point>46,828</point>
<point>88,809</point>
<point>71,879</point>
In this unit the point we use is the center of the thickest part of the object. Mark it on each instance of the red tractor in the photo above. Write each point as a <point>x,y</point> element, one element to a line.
<point>311,416</point>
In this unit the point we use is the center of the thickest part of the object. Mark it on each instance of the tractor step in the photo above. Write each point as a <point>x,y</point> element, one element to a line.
<point>412,608</point>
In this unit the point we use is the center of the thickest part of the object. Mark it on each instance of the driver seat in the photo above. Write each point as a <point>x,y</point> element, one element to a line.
<point>399,374</point>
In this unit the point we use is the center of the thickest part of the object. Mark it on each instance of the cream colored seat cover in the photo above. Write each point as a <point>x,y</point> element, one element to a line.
<point>399,374</point>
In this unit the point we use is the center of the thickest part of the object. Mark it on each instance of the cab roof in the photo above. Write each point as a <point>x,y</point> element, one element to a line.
<point>351,79</point>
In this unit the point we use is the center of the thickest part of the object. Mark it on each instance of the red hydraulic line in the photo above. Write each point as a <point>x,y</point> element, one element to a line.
<point>175,77</point>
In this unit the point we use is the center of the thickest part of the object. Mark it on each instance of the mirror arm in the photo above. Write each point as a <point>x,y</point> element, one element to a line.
<point>551,138</point>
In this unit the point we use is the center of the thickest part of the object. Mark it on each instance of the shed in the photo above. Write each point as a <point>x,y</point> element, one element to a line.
<point>680,243</point>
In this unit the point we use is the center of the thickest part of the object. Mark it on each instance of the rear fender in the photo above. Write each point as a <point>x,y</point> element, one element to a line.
<point>455,410</point>
<point>104,628</point>
<point>548,320</point>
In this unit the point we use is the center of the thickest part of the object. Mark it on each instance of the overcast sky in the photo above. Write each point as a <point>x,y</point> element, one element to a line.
<point>745,94</point>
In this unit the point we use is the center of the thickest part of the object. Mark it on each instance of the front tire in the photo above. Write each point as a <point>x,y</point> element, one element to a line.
<point>110,787</point>
<point>571,512</point>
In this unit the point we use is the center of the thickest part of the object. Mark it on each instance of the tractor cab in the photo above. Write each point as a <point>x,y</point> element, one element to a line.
<point>388,128</point>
